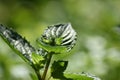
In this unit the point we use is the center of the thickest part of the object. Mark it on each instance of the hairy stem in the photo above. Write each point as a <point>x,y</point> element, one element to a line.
<point>47,66</point>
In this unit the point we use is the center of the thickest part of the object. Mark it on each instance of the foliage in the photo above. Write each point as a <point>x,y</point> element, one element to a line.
<point>97,49</point>
<point>37,61</point>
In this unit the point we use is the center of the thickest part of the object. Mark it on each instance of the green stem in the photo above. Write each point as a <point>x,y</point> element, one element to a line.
<point>47,66</point>
<point>37,73</point>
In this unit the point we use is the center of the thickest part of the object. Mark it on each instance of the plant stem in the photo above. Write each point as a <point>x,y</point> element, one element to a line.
<point>47,66</point>
<point>37,73</point>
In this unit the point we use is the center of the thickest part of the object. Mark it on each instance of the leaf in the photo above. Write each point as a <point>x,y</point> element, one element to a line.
<point>57,73</point>
<point>20,45</point>
<point>49,48</point>
<point>38,61</point>
<point>57,69</point>
<point>78,77</point>
<point>73,76</point>
<point>60,35</point>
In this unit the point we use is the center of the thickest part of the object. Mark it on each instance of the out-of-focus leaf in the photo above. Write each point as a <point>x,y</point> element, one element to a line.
<point>33,76</point>
<point>20,45</point>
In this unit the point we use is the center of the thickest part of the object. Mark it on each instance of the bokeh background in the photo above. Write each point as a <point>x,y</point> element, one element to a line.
<point>98,45</point>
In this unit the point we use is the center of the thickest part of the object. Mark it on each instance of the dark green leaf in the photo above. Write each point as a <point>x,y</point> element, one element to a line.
<point>58,68</point>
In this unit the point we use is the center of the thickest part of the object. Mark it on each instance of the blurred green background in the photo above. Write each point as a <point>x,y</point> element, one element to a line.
<point>98,45</point>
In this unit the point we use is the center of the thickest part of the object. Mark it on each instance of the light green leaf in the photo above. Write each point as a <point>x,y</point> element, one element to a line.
<point>71,76</point>
<point>49,48</point>
<point>38,60</point>
<point>78,77</point>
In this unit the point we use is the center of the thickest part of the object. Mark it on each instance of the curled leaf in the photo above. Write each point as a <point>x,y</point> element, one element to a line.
<point>59,35</point>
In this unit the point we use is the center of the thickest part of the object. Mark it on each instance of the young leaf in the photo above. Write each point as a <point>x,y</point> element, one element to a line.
<point>49,48</point>
<point>58,68</point>
<point>38,61</point>
<point>20,45</point>
<point>58,38</point>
